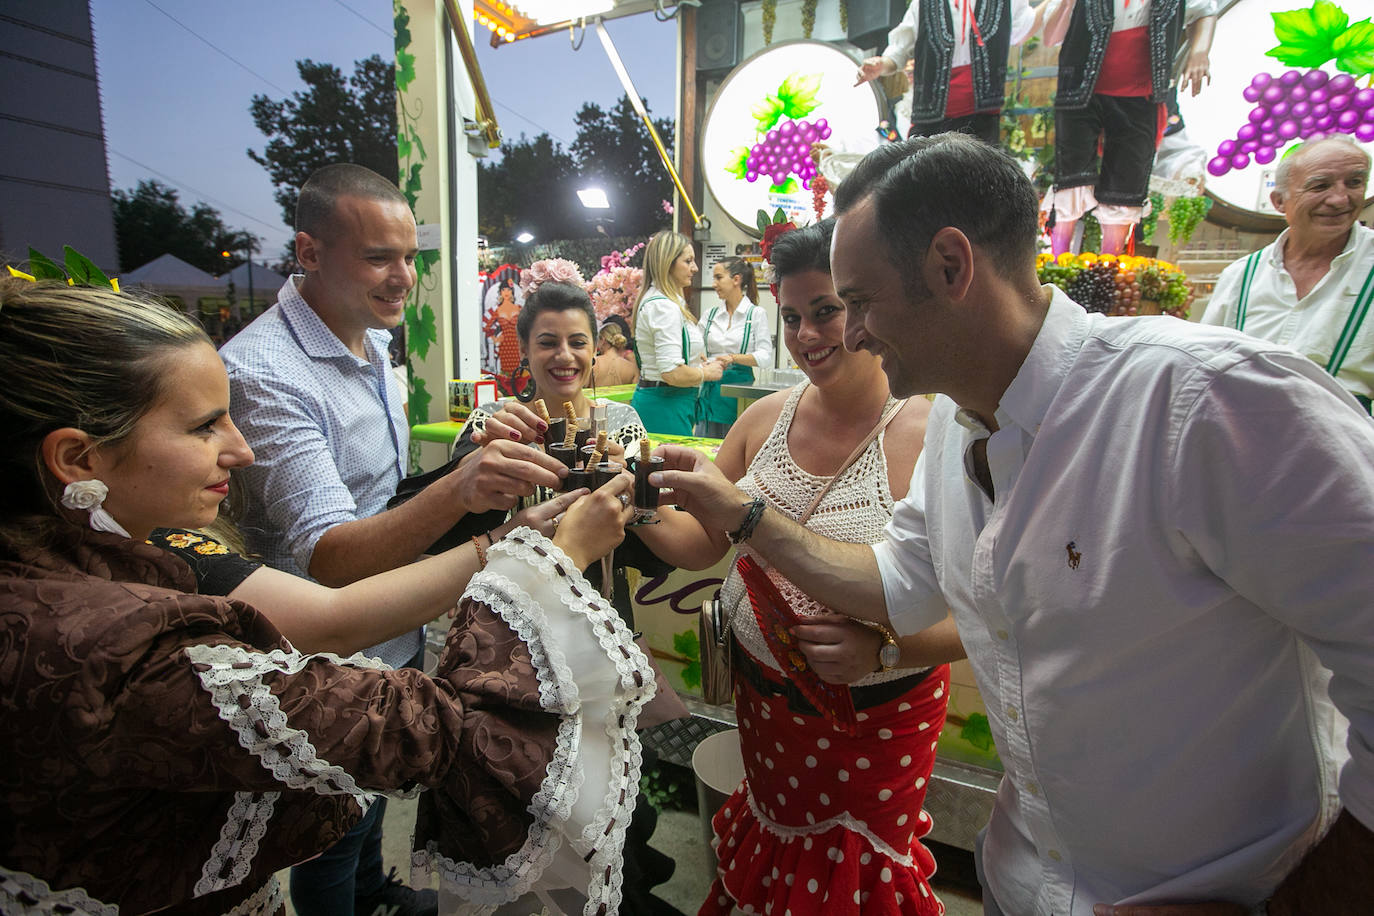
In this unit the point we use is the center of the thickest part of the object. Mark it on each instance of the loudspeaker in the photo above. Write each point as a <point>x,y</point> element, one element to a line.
<point>871,20</point>
<point>719,24</point>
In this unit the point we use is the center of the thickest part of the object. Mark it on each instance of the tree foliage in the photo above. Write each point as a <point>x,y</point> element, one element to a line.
<point>534,185</point>
<point>333,120</point>
<point>614,150</point>
<point>530,188</point>
<point>150,221</point>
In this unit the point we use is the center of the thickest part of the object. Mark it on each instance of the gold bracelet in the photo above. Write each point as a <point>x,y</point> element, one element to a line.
<point>481,552</point>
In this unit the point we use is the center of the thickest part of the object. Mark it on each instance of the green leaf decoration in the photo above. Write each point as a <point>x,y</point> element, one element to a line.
<point>738,163</point>
<point>405,70</point>
<point>789,186</point>
<point>413,178</point>
<point>977,732</point>
<point>1354,49</point>
<point>43,268</point>
<point>767,113</point>
<point>421,335</point>
<point>425,260</point>
<point>779,216</point>
<point>420,399</point>
<point>402,146</point>
<point>686,644</point>
<point>419,143</point>
<point>402,25</point>
<point>762,221</point>
<point>1306,36</point>
<point>798,94</point>
<point>691,675</point>
<point>83,270</point>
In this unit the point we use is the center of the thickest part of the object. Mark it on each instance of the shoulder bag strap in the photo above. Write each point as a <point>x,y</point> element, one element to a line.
<point>885,419</point>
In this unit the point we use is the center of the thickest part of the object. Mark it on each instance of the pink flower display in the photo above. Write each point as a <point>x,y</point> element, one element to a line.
<point>550,270</point>
<point>616,286</point>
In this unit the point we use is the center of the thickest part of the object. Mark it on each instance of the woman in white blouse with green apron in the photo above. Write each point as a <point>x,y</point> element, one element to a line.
<point>672,354</point>
<point>737,337</point>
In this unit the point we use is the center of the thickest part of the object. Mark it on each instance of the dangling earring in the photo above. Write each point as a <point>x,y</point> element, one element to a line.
<point>90,495</point>
<point>524,393</point>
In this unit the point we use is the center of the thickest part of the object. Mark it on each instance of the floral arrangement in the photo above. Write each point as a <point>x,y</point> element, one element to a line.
<point>550,270</point>
<point>615,287</point>
<point>1119,284</point>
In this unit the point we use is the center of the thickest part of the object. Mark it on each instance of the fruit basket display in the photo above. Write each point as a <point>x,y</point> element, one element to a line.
<point>1119,284</point>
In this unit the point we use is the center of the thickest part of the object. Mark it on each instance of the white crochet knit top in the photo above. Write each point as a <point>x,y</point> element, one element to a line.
<point>856,509</point>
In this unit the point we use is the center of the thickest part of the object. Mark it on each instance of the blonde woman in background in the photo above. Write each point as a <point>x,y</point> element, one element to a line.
<point>672,353</point>
<point>615,360</point>
<point>737,337</point>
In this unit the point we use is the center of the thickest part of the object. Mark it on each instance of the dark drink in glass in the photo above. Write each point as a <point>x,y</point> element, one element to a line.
<point>579,478</point>
<point>646,494</point>
<point>605,472</point>
<point>564,453</point>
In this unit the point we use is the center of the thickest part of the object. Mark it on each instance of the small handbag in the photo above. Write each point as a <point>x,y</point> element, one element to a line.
<point>715,634</point>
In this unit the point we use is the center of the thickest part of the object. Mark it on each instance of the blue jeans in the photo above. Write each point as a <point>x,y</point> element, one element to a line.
<point>327,884</point>
<point>352,867</point>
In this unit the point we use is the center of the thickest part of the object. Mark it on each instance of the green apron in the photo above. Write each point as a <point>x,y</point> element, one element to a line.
<point>1352,323</point>
<point>715,407</point>
<point>667,409</point>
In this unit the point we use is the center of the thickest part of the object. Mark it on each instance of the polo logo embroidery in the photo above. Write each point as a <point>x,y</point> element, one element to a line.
<point>1074,556</point>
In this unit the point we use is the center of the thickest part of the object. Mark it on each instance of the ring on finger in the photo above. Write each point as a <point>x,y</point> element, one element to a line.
<point>624,500</point>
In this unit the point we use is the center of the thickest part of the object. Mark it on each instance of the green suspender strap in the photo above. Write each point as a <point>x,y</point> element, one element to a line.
<point>1251,265</point>
<point>748,327</point>
<point>1353,322</point>
<point>1352,326</point>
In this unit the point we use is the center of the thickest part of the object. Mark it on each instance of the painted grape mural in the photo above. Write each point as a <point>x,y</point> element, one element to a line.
<point>1307,100</point>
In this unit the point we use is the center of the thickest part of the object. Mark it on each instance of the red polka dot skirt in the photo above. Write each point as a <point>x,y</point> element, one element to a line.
<point>825,822</point>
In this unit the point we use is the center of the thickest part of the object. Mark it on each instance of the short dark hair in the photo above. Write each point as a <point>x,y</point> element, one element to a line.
<point>922,185</point>
<point>802,249</point>
<point>552,296</point>
<point>321,192</point>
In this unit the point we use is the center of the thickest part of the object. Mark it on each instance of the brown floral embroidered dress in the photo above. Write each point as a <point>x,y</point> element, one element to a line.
<point>169,751</point>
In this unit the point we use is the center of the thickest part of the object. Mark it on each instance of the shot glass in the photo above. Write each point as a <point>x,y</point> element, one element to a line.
<point>646,494</point>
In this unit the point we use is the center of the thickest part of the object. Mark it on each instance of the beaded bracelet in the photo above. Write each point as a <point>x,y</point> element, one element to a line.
<point>751,520</point>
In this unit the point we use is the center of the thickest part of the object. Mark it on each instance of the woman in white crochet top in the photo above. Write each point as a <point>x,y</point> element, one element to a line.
<point>822,816</point>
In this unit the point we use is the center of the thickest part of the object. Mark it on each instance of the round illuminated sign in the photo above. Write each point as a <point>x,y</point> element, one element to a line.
<point>756,139</point>
<point>1256,106</point>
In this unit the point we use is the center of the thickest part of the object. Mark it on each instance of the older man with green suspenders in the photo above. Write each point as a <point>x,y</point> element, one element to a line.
<point>1313,288</point>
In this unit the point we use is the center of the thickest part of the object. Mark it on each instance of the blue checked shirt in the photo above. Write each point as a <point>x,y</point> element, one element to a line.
<point>327,430</point>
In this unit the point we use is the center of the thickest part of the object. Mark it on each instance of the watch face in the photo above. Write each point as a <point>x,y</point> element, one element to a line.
<point>890,654</point>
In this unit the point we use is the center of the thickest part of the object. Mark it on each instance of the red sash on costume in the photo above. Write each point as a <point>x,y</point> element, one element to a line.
<point>1126,64</point>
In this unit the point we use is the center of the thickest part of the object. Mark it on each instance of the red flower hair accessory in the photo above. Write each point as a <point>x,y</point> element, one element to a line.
<point>770,235</point>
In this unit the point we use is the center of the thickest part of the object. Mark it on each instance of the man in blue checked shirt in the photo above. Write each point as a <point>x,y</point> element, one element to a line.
<point>313,393</point>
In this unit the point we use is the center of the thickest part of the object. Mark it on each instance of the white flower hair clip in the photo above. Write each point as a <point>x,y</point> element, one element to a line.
<point>90,495</point>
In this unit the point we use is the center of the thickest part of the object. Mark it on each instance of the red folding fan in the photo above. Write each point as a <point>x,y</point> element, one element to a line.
<point>776,619</point>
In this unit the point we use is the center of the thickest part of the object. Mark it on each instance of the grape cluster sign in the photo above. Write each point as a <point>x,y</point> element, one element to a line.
<point>757,137</point>
<point>1298,104</point>
<point>1266,98</point>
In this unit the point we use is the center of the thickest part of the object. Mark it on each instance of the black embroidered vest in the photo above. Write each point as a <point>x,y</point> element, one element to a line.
<point>934,54</point>
<point>1085,44</point>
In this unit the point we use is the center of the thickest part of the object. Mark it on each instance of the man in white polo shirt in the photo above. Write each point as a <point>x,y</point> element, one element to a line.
<point>1166,617</point>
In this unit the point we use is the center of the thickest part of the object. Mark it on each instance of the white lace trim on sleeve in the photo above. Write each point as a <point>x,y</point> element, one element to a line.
<point>23,894</point>
<point>235,678</point>
<point>266,901</point>
<point>245,824</point>
<point>572,633</point>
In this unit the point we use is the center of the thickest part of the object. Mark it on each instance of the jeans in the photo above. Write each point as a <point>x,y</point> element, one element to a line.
<point>352,867</point>
<point>327,884</point>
